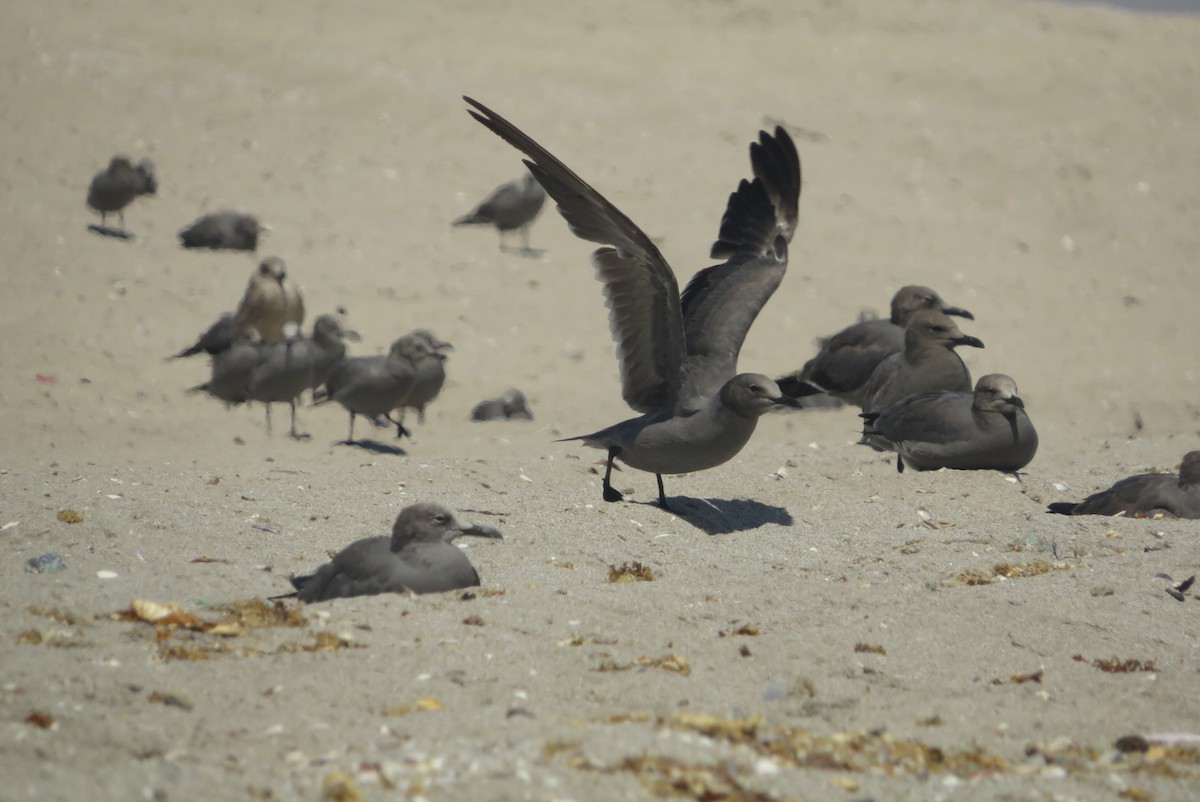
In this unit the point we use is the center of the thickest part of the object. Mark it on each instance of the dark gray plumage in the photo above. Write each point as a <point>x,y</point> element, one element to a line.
<point>375,385</point>
<point>419,558</point>
<point>115,187</point>
<point>328,342</point>
<point>1145,495</point>
<point>512,206</point>
<point>845,361</point>
<point>431,374</point>
<point>511,405</point>
<point>927,363</point>
<point>229,377</point>
<point>229,231</point>
<point>678,353</point>
<point>987,429</point>
<point>215,339</point>
<point>284,371</point>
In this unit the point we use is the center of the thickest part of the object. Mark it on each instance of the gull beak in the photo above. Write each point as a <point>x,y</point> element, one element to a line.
<point>967,339</point>
<point>957,311</point>
<point>479,530</point>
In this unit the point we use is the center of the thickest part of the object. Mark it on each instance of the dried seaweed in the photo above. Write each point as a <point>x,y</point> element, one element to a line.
<point>978,576</point>
<point>872,648</point>
<point>256,613</point>
<point>630,572</point>
<point>1115,665</point>
<point>1020,679</point>
<point>676,663</point>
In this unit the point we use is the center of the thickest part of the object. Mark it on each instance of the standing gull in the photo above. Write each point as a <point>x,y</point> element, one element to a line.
<point>328,343</point>
<point>1145,495</point>
<point>270,301</point>
<point>431,375</point>
<point>223,231</point>
<point>983,430</point>
<point>283,372</point>
<point>845,361</point>
<point>419,557</point>
<point>678,353</point>
<point>115,187</point>
<point>375,385</point>
<point>926,364</point>
<point>513,205</point>
<point>229,377</point>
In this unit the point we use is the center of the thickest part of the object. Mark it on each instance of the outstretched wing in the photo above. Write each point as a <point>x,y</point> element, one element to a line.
<point>721,302</point>
<point>642,295</point>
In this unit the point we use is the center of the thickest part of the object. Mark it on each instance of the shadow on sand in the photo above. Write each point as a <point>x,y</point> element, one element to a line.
<point>109,231</point>
<point>374,446</point>
<point>719,516</point>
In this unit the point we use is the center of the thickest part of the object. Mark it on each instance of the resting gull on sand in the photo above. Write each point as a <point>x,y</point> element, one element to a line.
<point>982,430</point>
<point>927,363</point>
<point>1145,495</point>
<point>678,354</point>
<point>419,557</point>
<point>223,231</point>
<point>845,361</point>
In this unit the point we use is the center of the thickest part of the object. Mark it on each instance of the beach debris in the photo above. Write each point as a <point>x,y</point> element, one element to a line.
<point>1021,679</point>
<point>1116,665</point>
<point>172,699</point>
<point>749,630</point>
<point>979,576</point>
<point>630,572</point>
<point>41,719</point>
<point>338,786</point>
<point>45,563</point>
<point>70,516</point>
<point>675,663</point>
<point>870,648</point>
<point>422,704</point>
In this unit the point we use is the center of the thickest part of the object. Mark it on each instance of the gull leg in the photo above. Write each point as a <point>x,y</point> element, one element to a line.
<point>610,492</point>
<point>662,496</point>
<point>295,435</point>
<point>899,464</point>
<point>268,419</point>
<point>400,430</point>
<point>350,438</point>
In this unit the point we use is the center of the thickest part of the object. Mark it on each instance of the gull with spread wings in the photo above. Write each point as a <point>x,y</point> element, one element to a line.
<point>678,352</point>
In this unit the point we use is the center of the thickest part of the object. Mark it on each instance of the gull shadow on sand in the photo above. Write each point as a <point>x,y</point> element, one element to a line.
<point>373,446</point>
<point>723,516</point>
<point>528,253</point>
<point>109,231</point>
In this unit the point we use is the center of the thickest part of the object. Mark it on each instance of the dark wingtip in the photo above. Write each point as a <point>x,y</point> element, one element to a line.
<point>1061,508</point>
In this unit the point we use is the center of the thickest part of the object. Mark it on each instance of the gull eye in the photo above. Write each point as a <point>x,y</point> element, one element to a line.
<point>754,388</point>
<point>440,519</point>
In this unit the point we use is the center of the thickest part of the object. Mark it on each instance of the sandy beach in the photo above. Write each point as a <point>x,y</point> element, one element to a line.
<point>816,626</point>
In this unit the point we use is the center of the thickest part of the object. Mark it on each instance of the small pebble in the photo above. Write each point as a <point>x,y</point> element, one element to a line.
<point>45,564</point>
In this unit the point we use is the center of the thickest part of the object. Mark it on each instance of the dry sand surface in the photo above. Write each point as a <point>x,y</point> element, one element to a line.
<point>807,635</point>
